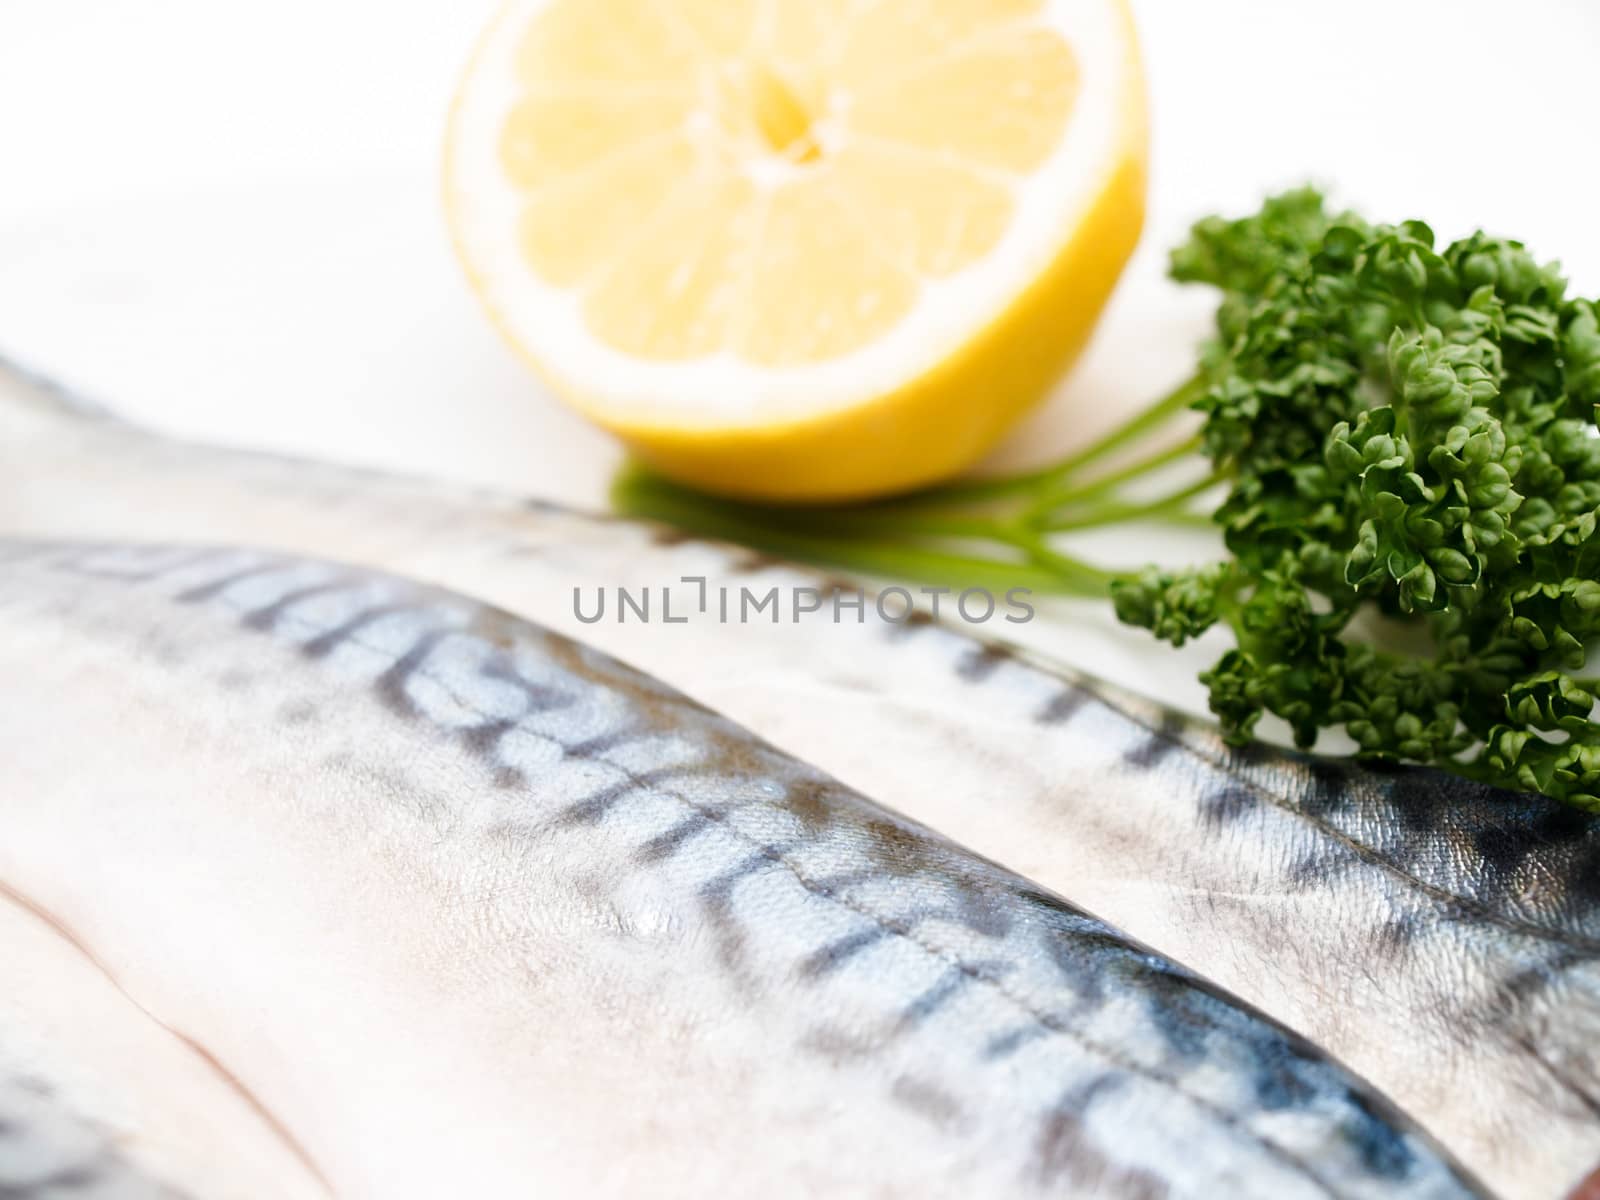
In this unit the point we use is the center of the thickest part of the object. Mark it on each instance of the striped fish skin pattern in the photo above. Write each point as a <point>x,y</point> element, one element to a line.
<point>50,1151</point>
<point>837,997</point>
<point>1435,936</point>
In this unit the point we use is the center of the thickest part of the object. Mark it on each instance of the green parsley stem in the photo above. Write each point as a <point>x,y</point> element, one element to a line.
<point>636,493</point>
<point>1110,514</point>
<point>1050,502</point>
<point>1001,487</point>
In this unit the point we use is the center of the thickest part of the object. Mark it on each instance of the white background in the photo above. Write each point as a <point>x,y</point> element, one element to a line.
<point>223,218</point>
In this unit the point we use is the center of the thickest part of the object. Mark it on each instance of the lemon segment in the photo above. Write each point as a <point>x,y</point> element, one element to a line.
<point>596,43</point>
<point>569,228</point>
<point>933,216</point>
<point>672,295</point>
<point>800,249</point>
<point>1030,71</point>
<point>887,39</point>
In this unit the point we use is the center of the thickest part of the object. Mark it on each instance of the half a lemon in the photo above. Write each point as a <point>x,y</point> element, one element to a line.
<point>800,249</point>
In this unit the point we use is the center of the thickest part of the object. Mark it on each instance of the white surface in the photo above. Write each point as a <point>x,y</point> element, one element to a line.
<point>223,218</point>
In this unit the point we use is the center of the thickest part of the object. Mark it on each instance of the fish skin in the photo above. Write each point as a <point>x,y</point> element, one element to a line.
<point>49,1152</point>
<point>49,1148</point>
<point>617,937</point>
<point>128,1093</point>
<point>1437,936</point>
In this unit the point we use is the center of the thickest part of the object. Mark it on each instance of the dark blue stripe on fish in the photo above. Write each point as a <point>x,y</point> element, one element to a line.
<point>1006,1044</point>
<point>665,845</point>
<point>836,954</point>
<point>200,593</point>
<point>325,644</point>
<point>983,661</point>
<point>266,617</point>
<point>1150,751</point>
<point>1063,706</point>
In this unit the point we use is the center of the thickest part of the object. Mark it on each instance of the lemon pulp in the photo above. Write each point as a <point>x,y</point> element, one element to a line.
<point>800,249</point>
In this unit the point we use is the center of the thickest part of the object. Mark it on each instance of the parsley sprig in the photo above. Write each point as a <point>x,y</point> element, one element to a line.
<point>1393,429</point>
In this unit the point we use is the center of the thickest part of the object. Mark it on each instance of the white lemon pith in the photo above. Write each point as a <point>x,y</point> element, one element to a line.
<point>800,249</point>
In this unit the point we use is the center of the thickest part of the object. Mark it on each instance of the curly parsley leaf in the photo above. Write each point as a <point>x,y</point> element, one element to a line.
<point>1401,429</point>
